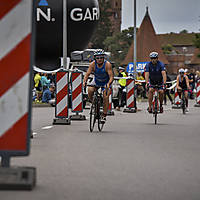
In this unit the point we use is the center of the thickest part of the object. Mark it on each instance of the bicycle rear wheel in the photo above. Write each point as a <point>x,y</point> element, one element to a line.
<point>156,110</point>
<point>92,115</point>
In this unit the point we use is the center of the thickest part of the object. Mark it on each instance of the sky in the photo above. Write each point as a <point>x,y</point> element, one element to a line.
<point>166,15</point>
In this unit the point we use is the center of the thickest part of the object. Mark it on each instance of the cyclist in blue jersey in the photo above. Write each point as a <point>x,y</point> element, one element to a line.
<point>103,77</point>
<point>155,74</point>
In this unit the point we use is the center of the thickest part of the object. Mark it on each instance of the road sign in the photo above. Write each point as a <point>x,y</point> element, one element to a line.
<point>139,68</point>
<point>15,82</point>
<point>130,68</point>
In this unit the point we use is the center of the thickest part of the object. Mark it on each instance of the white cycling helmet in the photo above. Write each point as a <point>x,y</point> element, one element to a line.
<point>181,70</point>
<point>99,52</point>
<point>186,70</point>
<point>153,55</point>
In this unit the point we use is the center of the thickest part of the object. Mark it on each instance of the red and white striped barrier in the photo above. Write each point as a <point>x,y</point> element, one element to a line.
<point>198,95</point>
<point>77,95</point>
<point>177,100</point>
<point>130,96</point>
<point>15,96</point>
<point>62,95</point>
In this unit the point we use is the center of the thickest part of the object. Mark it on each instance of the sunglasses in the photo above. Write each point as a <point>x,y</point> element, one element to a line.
<point>98,58</point>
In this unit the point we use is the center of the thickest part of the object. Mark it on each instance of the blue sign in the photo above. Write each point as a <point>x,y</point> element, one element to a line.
<point>140,66</point>
<point>43,3</point>
<point>130,68</point>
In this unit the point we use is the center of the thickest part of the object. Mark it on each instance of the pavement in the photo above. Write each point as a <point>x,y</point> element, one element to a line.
<point>132,158</point>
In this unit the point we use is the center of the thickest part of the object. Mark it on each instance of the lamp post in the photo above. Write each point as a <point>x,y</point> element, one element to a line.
<point>135,41</point>
<point>65,34</point>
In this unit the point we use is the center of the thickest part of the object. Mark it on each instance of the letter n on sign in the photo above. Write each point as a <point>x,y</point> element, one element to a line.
<point>16,73</point>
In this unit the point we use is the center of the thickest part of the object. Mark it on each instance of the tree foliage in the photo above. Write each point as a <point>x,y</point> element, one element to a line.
<point>184,31</point>
<point>104,28</point>
<point>167,49</point>
<point>119,44</point>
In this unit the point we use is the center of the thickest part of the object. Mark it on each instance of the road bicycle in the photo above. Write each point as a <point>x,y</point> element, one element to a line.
<point>95,109</point>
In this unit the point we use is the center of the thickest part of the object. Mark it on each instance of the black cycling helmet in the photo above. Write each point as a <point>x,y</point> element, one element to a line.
<point>99,52</point>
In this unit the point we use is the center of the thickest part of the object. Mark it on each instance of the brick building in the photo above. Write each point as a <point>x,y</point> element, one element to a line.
<point>116,17</point>
<point>183,54</point>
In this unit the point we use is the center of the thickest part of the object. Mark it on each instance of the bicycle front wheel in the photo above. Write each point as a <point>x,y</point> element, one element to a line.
<point>183,105</point>
<point>156,110</point>
<point>92,116</point>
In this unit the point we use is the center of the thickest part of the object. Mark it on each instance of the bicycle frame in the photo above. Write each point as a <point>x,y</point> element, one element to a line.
<point>95,113</point>
<point>155,103</point>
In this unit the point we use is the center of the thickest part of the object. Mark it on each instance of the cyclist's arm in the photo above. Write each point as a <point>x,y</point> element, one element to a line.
<point>147,77</point>
<point>89,71</point>
<point>177,82</point>
<point>110,73</point>
<point>187,82</point>
<point>164,76</point>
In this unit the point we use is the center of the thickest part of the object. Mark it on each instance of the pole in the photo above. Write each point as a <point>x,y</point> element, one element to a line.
<point>65,34</point>
<point>135,41</point>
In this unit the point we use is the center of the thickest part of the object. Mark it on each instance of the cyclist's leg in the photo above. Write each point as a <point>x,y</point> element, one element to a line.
<point>186,98</point>
<point>150,97</point>
<point>161,96</point>
<point>91,93</point>
<point>106,101</point>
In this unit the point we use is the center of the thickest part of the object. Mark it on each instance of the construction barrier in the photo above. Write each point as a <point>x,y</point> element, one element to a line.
<point>130,96</point>
<point>77,95</point>
<point>198,94</point>
<point>177,100</point>
<point>62,96</point>
<point>110,111</point>
<point>15,94</point>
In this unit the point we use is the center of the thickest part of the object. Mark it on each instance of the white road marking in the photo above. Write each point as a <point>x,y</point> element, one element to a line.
<point>47,127</point>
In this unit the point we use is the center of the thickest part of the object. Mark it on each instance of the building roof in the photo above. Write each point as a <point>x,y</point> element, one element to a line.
<point>195,59</point>
<point>177,39</point>
<point>147,42</point>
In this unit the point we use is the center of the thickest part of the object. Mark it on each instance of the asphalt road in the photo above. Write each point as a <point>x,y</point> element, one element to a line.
<point>131,159</point>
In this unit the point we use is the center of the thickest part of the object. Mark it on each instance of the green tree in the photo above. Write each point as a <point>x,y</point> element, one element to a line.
<point>167,49</point>
<point>104,28</point>
<point>197,41</point>
<point>184,31</point>
<point>119,44</point>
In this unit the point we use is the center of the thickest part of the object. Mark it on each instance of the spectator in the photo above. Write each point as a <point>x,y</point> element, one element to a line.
<point>38,86</point>
<point>167,91</point>
<point>47,94</point>
<point>44,81</point>
<point>122,83</point>
<point>140,85</point>
<point>191,77</point>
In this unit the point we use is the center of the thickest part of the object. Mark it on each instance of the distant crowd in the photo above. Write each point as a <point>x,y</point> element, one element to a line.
<point>141,92</point>
<point>44,87</point>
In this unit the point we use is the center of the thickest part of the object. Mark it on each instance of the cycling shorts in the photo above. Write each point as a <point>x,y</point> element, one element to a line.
<point>161,87</point>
